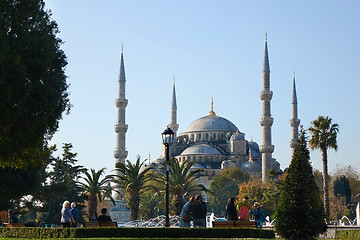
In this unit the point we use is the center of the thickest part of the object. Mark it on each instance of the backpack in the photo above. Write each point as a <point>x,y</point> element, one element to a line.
<point>243,213</point>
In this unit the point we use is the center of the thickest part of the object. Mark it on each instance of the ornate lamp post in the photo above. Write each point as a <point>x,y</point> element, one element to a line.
<point>168,138</point>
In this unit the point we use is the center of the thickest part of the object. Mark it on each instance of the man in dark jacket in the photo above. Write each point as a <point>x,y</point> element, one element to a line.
<point>198,212</point>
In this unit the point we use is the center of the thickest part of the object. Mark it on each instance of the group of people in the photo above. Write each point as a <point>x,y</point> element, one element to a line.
<point>231,213</point>
<point>70,217</point>
<point>194,210</point>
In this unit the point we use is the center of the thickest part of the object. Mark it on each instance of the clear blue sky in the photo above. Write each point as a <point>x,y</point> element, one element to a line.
<point>214,49</point>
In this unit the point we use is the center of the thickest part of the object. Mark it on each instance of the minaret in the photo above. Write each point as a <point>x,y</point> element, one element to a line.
<point>120,152</point>
<point>266,120</point>
<point>294,121</point>
<point>173,124</point>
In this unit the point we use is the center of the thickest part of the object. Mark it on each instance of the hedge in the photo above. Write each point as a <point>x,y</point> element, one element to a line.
<point>348,234</point>
<point>29,232</point>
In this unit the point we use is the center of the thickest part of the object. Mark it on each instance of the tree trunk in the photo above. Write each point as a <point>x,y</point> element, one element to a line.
<point>179,203</point>
<point>92,206</point>
<point>134,206</point>
<point>325,184</point>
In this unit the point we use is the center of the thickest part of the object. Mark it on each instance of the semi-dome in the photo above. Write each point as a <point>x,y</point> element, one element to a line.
<point>211,123</point>
<point>251,166</point>
<point>200,149</point>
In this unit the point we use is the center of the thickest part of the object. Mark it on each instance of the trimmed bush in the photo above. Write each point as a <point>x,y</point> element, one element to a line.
<point>135,232</point>
<point>348,234</point>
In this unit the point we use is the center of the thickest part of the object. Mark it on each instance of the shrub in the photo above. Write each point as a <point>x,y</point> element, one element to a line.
<point>135,232</point>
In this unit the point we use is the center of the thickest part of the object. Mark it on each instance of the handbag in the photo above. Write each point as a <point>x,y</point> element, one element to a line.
<point>186,218</point>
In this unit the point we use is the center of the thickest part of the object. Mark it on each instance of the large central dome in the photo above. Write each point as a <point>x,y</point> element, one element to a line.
<point>211,123</point>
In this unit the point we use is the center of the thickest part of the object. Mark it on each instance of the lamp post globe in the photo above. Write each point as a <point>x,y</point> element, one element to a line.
<point>168,138</point>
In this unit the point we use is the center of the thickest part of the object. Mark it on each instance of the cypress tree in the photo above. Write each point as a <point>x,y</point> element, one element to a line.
<point>300,214</point>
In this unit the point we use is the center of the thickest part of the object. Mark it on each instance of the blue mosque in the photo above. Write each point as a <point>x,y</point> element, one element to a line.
<point>213,142</point>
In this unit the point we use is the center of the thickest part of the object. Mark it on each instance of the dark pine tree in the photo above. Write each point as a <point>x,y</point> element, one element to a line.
<point>342,188</point>
<point>300,214</point>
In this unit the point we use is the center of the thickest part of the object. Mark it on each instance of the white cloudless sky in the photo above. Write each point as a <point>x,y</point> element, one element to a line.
<point>213,49</point>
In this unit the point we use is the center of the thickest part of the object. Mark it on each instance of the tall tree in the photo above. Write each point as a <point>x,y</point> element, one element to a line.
<point>324,134</point>
<point>134,180</point>
<point>300,214</point>
<point>95,188</point>
<point>182,179</point>
<point>33,84</point>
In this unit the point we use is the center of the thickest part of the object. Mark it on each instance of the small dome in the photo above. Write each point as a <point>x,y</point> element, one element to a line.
<point>200,149</point>
<point>255,151</point>
<point>211,123</point>
<point>251,166</point>
<point>275,165</point>
<point>238,136</point>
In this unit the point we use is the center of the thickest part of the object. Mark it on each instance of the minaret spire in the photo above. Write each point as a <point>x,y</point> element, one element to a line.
<point>212,113</point>
<point>173,124</point>
<point>266,120</point>
<point>294,121</point>
<point>120,152</point>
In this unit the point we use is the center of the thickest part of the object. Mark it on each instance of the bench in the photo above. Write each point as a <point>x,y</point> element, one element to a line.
<point>232,224</point>
<point>14,225</point>
<point>99,224</point>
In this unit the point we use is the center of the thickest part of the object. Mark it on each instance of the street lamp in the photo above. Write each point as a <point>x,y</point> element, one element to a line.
<point>168,138</point>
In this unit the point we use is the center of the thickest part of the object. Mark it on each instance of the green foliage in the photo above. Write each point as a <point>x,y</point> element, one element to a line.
<point>61,186</point>
<point>353,175</point>
<point>182,179</point>
<point>225,185</point>
<point>300,214</point>
<point>134,181</point>
<point>324,136</point>
<point>131,233</point>
<point>149,205</point>
<point>342,188</point>
<point>348,234</point>
<point>33,84</point>
<point>95,188</point>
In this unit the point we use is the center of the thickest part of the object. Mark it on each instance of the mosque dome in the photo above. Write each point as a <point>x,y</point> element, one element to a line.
<point>251,166</point>
<point>200,149</point>
<point>255,151</point>
<point>238,136</point>
<point>211,123</point>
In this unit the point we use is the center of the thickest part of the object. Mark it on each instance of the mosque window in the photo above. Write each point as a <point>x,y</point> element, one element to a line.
<point>207,137</point>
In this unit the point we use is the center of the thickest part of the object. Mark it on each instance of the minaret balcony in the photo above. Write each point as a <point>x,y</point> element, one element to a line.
<point>121,103</point>
<point>266,95</point>
<point>266,148</point>
<point>294,122</point>
<point>120,127</point>
<point>266,121</point>
<point>293,143</point>
<point>120,154</point>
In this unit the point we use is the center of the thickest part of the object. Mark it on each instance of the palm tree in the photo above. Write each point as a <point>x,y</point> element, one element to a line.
<point>134,180</point>
<point>324,135</point>
<point>149,205</point>
<point>181,180</point>
<point>96,189</point>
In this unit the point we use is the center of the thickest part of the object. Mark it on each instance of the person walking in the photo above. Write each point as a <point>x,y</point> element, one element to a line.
<point>185,215</point>
<point>75,213</point>
<point>66,215</point>
<point>230,213</point>
<point>258,215</point>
